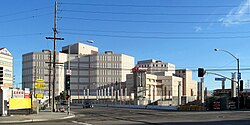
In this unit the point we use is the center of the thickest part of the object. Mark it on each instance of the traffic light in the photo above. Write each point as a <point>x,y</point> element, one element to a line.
<point>67,82</point>
<point>201,72</point>
<point>1,75</point>
<point>241,85</point>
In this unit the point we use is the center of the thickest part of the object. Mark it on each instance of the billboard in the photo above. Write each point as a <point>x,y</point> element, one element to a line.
<point>20,103</point>
<point>17,93</point>
<point>27,93</point>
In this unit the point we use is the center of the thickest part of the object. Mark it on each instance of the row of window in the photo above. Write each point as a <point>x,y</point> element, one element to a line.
<point>109,65</point>
<point>153,65</point>
<point>108,58</point>
<point>159,81</point>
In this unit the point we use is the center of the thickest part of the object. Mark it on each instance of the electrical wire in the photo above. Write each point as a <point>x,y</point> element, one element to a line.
<point>25,18</point>
<point>154,6</point>
<point>21,35</point>
<point>26,11</point>
<point>152,32</point>
<point>150,21</point>
<point>150,14</point>
<point>156,37</point>
<point>193,70</point>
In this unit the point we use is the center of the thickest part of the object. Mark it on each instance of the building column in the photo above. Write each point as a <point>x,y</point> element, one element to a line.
<point>154,92</point>
<point>108,92</point>
<point>112,92</point>
<point>126,93</point>
<point>202,90</point>
<point>87,93</point>
<point>179,93</point>
<point>233,85</point>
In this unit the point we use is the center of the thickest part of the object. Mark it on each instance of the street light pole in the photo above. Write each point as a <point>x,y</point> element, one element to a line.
<point>238,72</point>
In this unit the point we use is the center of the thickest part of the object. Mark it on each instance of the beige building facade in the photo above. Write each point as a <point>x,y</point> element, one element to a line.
<point>6,79</point>
<point>149,88</point>
<point>6,62</point>
<point>189,86</point>
<point>35,65</point>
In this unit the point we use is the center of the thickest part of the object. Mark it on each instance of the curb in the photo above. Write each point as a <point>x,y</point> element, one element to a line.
<point>36,120</point>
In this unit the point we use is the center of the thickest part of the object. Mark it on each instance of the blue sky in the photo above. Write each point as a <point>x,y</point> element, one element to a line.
<point>182,32</point>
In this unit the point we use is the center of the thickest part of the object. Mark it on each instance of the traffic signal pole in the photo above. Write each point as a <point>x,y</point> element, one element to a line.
<point>238,77</point>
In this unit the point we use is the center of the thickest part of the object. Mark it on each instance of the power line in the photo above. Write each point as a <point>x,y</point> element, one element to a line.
<point>193,69</point>
<point>20,35</point>
<point>157,37</point>
<point>150,14</point>
<point>153,6</point>
<point>156,32</point>
<point>150,21</point>
<point>26,11</point>
<point>24,18</point>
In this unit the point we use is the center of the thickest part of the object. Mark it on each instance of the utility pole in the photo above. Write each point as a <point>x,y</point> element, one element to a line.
<point>50,60</point>
<point>54,55</point>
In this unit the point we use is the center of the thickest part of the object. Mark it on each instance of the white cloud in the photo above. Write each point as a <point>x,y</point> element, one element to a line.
<point>237,14</point>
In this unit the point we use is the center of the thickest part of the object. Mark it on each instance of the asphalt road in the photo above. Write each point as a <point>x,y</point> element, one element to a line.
<point>122,116</point>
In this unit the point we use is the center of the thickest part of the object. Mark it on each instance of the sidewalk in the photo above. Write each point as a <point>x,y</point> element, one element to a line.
<point>42,116</point>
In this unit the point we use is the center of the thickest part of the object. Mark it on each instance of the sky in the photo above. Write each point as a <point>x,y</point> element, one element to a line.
<point>182,32</point>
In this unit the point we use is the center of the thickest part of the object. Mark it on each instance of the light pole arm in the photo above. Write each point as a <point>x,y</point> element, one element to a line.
<point>230,54</point>
<point>221,76</point>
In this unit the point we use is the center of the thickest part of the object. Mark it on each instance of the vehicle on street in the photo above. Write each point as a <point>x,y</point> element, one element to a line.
<point>87,105</point>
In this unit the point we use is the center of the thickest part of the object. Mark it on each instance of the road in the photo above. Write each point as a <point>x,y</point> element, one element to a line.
<point>122,116</point>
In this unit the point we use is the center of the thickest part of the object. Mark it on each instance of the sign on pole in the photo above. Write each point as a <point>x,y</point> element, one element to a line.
<point>239,75</point>
<point>220,79</point>
<point>40,86</point>
<point>68,72</point>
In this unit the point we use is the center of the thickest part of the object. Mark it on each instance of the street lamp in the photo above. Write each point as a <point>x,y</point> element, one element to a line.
<point>238,70</point>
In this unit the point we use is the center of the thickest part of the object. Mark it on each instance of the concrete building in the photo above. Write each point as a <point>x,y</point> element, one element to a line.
<point>35,65</point>
<point>156,66</point>
<point>89,69</point>
<point>189,86</point>
<point>94,70</point>
<point>165,81</point>
<point>80,49</point>
<point>149,88</point>
<point>6,79</point>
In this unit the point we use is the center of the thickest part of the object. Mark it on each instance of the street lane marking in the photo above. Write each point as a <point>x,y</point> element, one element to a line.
<point>81,123</point>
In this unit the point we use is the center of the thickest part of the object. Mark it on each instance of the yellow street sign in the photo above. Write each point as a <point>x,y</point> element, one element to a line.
<point>39,96</point>
<point>39,84</point>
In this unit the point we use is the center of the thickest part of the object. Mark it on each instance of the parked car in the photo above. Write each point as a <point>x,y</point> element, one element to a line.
<point>87,105</point>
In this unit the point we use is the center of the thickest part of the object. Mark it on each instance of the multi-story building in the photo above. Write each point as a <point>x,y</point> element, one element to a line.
<point>166,83</point>
<point>80,49</point>
<point>36,65</point>
<point>6,79</point>
<point>189,86</point>
<point>89,69</point>
<point>6,64</point>
<point>156,66</point>
<point>148,88</point>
